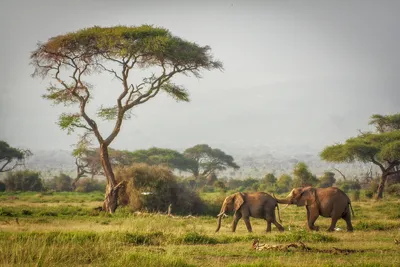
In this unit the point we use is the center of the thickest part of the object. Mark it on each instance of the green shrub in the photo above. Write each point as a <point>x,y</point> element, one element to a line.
<point>154,188</point>
<point>347,185</point>
<point>195,238</point>
<point>60,183</point>
<point>394,190</point>
<point>369,194</point>
<point>86,185</point>
<point>355,195</point>
<point>23,181</point>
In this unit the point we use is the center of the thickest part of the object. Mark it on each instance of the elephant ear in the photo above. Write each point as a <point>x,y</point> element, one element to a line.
<point>306,198</point>
<point>238,201</point>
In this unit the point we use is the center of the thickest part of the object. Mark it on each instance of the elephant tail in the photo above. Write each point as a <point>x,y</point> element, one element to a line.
<point>277,206</point>
<point>352,212</point>
<point>279,214</point>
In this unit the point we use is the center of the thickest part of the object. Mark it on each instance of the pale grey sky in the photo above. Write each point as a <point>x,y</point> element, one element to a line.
<point>296,72</point>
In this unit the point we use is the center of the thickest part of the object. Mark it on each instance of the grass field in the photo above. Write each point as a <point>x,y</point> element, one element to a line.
<point>63,229</point>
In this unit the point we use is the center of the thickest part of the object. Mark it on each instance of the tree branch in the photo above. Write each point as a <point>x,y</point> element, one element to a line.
<point>344,177</point>
<point>373,160</point>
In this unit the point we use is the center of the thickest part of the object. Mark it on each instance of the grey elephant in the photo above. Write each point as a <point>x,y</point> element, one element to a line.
<point>257,205</point>
<point>328,202</point>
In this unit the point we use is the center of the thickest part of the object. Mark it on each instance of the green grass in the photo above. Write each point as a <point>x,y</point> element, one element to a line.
<point>62,229</point>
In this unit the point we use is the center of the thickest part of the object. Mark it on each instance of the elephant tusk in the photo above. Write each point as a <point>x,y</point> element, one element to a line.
<point>223,214</point>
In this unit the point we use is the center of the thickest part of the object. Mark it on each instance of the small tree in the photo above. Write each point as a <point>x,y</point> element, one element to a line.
<point>381,148</point>
<point>302,176</point>
<point>208,160</point>
<point>62,183</point>
<point>327,180</point>
<point>284,183</point>
<point>70,58</point>
<point>11,157</point>
<point>269,180</point>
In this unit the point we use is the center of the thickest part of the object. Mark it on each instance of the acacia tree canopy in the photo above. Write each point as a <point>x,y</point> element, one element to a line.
<point>11,157</point>
<point>381,148</point>
<point>208,160</point>
<point>163,156</point>
<point>70,58</point>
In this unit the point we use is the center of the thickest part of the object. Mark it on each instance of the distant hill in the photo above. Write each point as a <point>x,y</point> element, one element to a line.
<point>253,161</point>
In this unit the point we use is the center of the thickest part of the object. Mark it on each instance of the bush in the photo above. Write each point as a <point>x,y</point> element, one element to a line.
<point>60,183</point>
<point>394,190</point>
<point>23,181</point>
<point>154,188</point>
<point>369,194</point>
<point>355,195</point>
<point>347,186</point>
<point>89,185</point>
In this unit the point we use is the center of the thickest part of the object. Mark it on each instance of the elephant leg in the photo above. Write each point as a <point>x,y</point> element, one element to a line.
<point>236,219</point>
<point>333,224</point>
<point>268,226</point>
<point>347,218</point>
<point>278,225</point>
<point>313,216</point>
<point>248,225</point>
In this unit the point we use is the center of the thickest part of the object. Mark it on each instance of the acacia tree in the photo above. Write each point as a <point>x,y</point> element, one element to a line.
<point>11,157</point>
<point>163,156</point>
<point>208,160</point>
<point>381,148</point>
<point>69,59</point>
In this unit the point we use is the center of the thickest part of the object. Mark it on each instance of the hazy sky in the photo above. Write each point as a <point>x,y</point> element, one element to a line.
<point>296,72</point>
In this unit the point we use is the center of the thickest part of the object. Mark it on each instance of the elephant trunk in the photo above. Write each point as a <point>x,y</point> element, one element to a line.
<point>284,200</point>
<point>221,215</point>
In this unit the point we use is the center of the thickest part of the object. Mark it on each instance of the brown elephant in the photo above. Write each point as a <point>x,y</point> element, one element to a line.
<point>257,205</point>
<point>328,202</point>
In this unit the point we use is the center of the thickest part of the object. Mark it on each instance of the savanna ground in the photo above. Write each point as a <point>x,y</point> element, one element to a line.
<point>63,229</point>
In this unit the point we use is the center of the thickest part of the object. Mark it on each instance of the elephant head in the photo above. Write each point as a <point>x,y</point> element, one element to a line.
<point>301,196</point>
<point>232,202</point>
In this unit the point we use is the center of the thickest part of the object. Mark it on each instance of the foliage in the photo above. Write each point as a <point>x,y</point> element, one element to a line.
<point>302,176</point>
<point>89,185</point>
<point>23,181</point>
<point>208,160</point>
<point>154,188</point>
<point>161,156</point>
<point>284,183</point>
<point>220,185</point>
<point>381,148</point>
<point>327,180</point>
<point>349,185</point>
<point>394,190</point>
<point>60,183</point>
<point>268,183</point>
<point>11,157</point>
<point>386,123</point>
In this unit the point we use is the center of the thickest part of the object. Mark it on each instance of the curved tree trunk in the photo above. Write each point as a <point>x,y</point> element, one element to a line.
<point>111,196</point>
<point>381,186</point>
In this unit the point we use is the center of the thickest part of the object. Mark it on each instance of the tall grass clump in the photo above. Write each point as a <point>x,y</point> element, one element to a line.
<point>154,188</point>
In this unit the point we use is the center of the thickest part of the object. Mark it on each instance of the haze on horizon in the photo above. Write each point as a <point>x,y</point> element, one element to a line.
<point>297,73</point>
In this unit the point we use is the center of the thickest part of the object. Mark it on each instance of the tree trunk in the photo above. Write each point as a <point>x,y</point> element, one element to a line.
<point>382,186</point>
<point>111,197</point>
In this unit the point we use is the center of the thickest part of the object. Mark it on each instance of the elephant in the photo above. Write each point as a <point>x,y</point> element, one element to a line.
<point>257,205</point>
<point>328,202</point>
